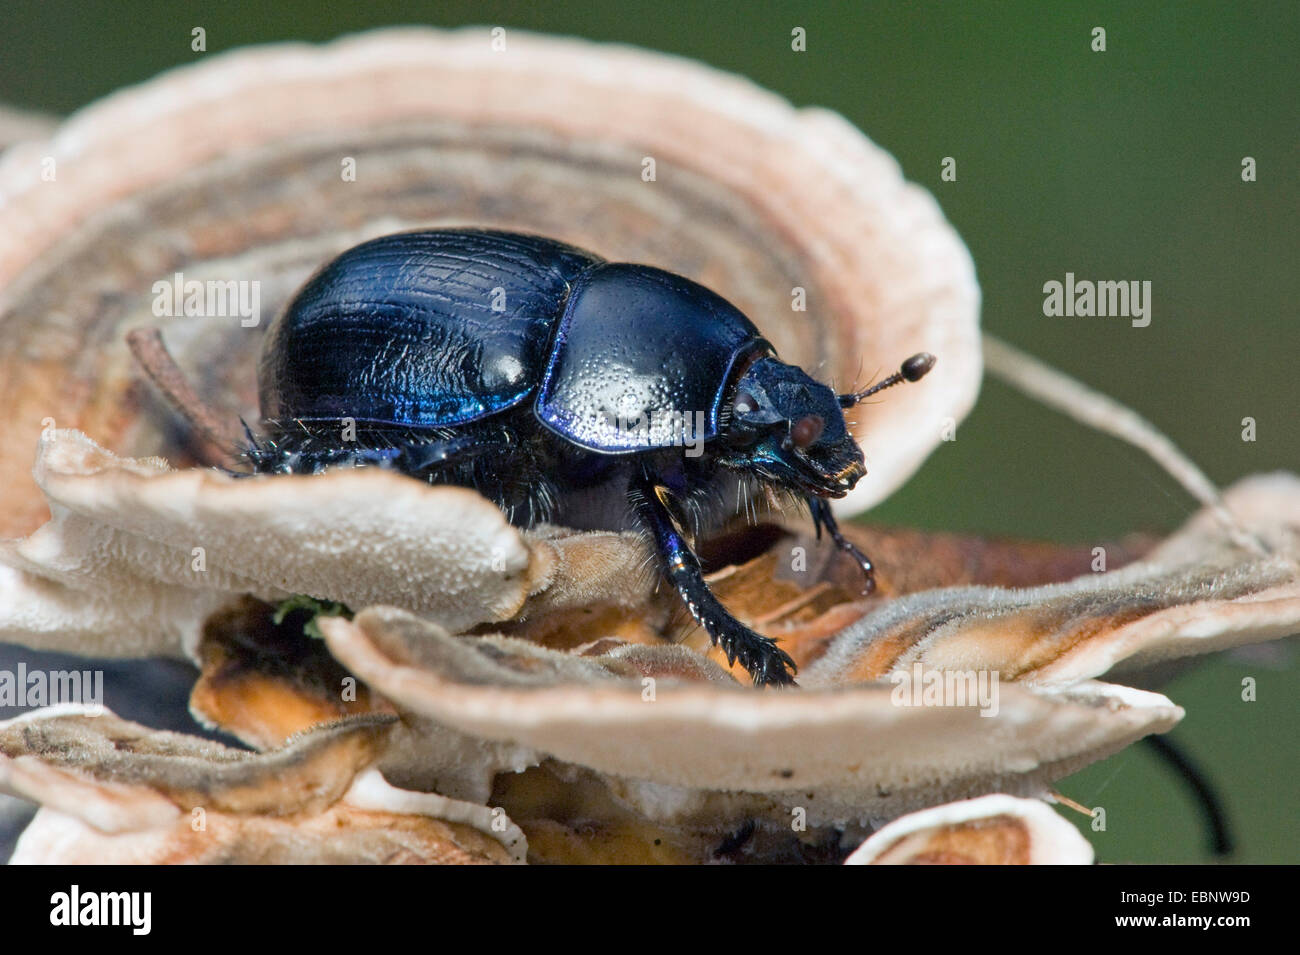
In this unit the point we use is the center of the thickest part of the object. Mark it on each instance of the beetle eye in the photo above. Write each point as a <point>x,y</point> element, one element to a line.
<point>744,403</point>
<point>807,430</point>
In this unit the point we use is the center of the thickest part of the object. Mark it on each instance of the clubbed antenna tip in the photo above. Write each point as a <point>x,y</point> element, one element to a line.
<point>914,369</point>
<point>918,366</point>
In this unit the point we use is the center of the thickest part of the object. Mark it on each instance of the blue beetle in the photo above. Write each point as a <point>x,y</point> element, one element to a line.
<point>563,387</point>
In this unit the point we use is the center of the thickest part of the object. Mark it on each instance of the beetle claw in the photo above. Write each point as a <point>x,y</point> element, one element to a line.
<point>767,663</point>
<point>864,564</point>
<point>822,517</point>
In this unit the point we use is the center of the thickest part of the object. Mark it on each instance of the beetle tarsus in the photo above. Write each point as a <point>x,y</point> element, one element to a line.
<point>759,655</point>
<point>823,517</point>
<point>765,662</point>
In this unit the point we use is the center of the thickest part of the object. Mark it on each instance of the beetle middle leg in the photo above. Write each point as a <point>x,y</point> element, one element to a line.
<point>822,517</point>
<point>309,450</point>
<point>765,661</point>
<point>494,461</point>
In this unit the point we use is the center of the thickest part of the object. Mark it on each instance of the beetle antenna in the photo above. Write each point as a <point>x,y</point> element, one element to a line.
<point>914,369</point>
<point>147,346</point>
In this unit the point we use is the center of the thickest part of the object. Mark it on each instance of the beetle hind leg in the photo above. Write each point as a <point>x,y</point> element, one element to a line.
<point>759,655</point>
<point>822,517</point>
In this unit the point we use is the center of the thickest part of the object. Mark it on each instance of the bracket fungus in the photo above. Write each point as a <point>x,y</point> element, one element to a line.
<point>117,792</point>
<point>502,683</point>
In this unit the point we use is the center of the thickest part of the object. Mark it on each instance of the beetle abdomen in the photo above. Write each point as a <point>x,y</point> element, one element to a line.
<point>420,328</point>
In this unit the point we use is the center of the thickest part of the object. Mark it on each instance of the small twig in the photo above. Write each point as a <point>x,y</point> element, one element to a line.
<point>1058,390</point>
<point>1069,803</point>
<point>147,346</point>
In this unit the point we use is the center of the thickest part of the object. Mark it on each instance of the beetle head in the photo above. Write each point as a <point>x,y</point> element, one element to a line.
<point>790,429</point>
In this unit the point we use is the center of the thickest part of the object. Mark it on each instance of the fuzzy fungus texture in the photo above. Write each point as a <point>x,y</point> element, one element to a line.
<point>146,553</point>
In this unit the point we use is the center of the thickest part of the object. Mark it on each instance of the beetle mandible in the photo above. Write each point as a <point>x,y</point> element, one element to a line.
<point>563,387</point>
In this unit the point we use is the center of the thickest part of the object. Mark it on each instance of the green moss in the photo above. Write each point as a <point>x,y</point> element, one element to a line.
<point>314,608</point>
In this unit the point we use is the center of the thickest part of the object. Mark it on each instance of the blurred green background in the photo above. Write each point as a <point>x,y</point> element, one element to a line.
<point>1117,165</point>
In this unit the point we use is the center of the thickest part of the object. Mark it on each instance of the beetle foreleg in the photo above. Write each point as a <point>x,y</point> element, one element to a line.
<point>765,661</point>
<point>822,517</point>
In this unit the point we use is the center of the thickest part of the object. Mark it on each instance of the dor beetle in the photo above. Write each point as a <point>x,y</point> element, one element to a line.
<point>563,387</point>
